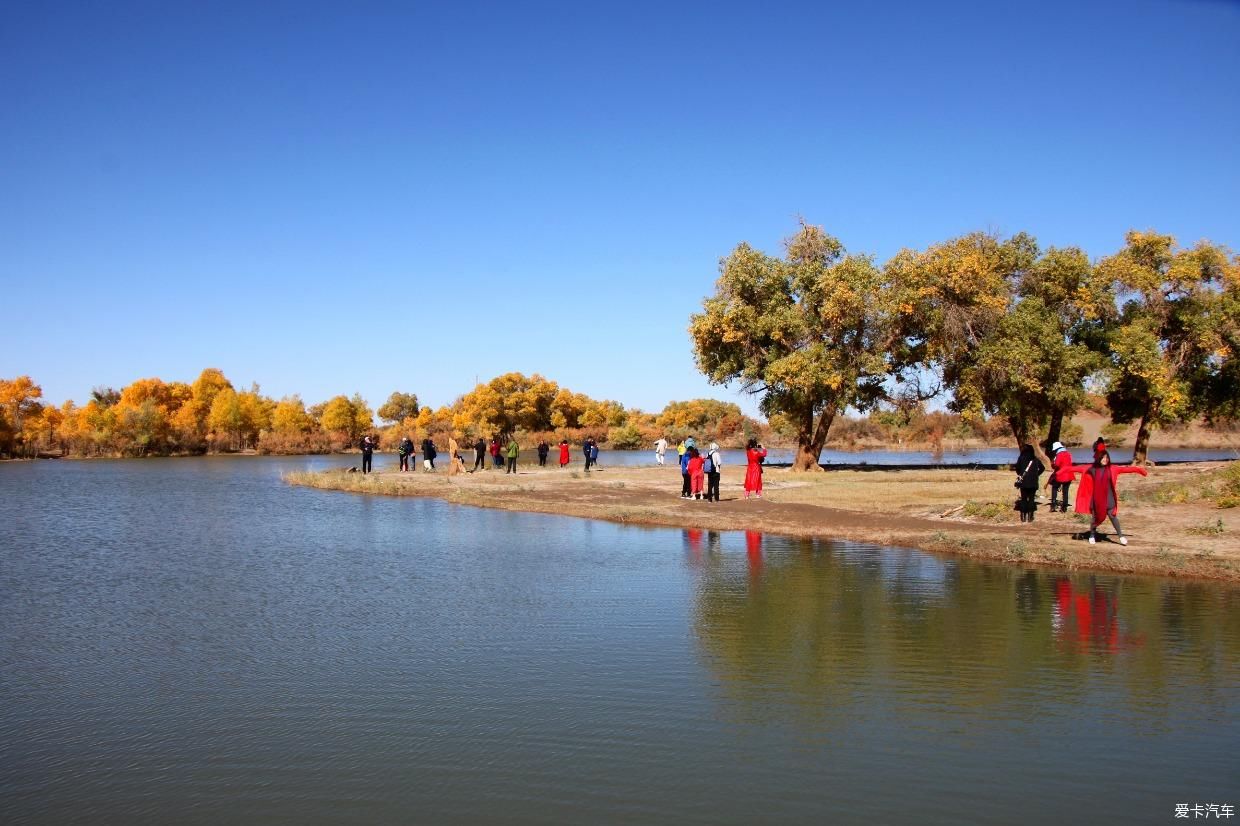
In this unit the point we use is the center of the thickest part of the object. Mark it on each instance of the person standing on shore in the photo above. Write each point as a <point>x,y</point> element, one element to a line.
<point>1097,494</point>
<point>368,451</point>
<point>513,451</point>
<point>428,454</point>
<point>594,454</point>
<point>660,448</point>
<point>543,450</point>
<point>403,451</point>
<point>1061,476</point>
<point>696,473</point>
<point>585,449</point>
<point>495,459</point>
<point>711,467</point>
<point>754,456</point>
<point>563,452</point>
<point>686,484</point>
<point>1028,471</point>
<point>480,454</point>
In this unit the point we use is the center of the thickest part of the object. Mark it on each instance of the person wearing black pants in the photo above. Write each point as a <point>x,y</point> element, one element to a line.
<point>1028,470</point>
<point>480,454</point>
<point>543,450</point>
<point>368,450</point>
<point>405,449</point>
<point>712,477</point>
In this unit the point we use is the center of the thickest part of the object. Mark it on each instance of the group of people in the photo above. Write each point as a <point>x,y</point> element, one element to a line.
<point>700,470</point>
<point>1097,494</point>
<point>404,450</point>
<point>497,453</point>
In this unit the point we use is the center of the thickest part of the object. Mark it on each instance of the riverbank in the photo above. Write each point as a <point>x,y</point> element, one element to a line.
<point>1173,529</point>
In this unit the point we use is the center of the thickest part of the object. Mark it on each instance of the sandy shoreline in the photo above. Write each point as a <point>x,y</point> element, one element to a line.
<point>964,512</point>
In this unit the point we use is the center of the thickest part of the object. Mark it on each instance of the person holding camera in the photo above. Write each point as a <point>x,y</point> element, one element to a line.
<point>1028,471</point>
<point>755,455</point>
<point>404,450</point>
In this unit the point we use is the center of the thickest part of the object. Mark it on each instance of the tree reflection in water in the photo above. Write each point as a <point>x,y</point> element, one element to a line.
<point>823,628</point>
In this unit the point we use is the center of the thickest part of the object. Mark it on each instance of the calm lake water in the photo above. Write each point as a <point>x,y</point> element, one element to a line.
<point>191,641</point>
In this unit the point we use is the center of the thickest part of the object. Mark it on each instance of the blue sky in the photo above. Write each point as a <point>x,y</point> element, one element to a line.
<point>335,198</point>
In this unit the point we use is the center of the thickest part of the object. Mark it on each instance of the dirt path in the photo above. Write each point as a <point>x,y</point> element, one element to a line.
<point>966,512</point>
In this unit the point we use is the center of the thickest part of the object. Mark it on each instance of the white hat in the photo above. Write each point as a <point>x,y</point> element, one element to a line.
<point>1056,447</point>
<point>714,446</point>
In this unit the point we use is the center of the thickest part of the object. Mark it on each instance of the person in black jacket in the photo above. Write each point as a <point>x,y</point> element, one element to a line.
<point>480,454</point>
<point>428,454</point>
<point>368,450</point>
<point>404,452</point>
<point>1028,470</point>
<point>543,450</point>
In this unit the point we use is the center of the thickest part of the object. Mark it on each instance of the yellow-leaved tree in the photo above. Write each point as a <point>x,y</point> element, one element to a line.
<point>808,333</point>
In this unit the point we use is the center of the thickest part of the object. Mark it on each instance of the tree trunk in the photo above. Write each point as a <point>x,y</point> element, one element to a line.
<point>1056,428</point>
<point>1140,450</point>
<point>811,438</point>
<point>1020,430</point>
<point>1024,436</point>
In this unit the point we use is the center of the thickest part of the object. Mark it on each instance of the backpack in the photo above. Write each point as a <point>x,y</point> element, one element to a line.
<point>708,465</point>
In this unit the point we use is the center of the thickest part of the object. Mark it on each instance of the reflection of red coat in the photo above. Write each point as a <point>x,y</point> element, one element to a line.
<point>1100,499</point>
<point>753,473</point>
<point>564,454</point>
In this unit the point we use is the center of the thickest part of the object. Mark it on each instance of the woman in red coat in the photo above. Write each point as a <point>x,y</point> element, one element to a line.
<point>563,452</point>
<point>1061,476</point>
<point>754,454</point>
<point>1097,494</point>
<point>696,473</point>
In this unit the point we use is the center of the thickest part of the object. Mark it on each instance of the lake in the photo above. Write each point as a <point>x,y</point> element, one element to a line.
<point>192,641</point>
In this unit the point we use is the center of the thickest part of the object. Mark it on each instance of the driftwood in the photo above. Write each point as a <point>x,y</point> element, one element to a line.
<point>951,511</point>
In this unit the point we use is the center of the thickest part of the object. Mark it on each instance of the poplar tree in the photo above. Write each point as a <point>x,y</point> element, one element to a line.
<point>1167,342</point>
<point>808,333</point>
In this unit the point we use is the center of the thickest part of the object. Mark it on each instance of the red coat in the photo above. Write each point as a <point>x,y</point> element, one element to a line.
<point>753,473</point>
<point>1062,465</point>
<point>1100,500</point>
<point>564,454</point>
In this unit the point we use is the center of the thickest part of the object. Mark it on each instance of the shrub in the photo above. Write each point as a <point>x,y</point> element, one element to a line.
<point>1071,434</point>
<point>1209,528</point>
<point>1115,434</point>
<point>295,443</point>
<point>994,511</point>
<point>1230,478</point>
<point>625,437</point>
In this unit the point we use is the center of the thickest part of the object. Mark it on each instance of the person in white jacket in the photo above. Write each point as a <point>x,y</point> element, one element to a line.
<point>712,465</point>
<point>660,447</point>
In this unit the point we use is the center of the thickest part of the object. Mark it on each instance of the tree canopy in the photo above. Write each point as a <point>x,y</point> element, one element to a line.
<point>808,332</point>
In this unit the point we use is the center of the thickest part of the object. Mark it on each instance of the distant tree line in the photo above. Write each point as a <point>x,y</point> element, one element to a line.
<point>154,417</point>
<point>1001,327</point>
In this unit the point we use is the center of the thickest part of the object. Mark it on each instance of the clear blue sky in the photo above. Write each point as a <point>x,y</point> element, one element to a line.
<point>330,197</point>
